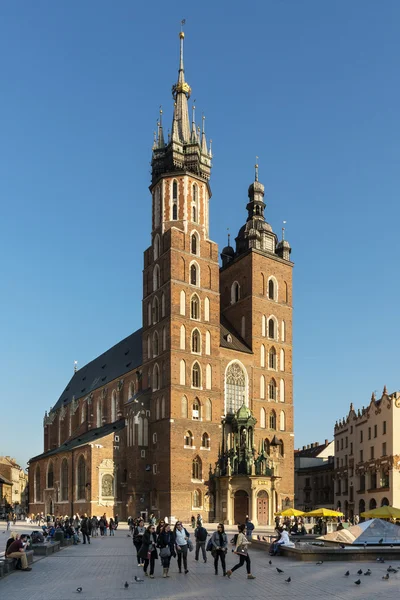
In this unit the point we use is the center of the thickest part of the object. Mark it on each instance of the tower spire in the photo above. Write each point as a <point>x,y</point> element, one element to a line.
<point>160,140</point>
<point>256,170</point>
<point>203,137</point>
<point>181,93</point>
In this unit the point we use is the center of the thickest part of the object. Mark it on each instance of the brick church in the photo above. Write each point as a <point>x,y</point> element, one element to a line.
<point>192,413</point>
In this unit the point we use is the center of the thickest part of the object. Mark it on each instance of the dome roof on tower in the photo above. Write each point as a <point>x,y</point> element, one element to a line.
<point>228,251</point>
<point>256,187</point>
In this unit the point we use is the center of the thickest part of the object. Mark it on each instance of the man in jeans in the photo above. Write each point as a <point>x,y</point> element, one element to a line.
<point>17,550</point>
<point>200,535</point>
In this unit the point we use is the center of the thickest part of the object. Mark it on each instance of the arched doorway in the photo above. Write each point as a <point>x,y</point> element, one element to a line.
<point>263,508</point>
<point>372,504</point>
<point>384,502</point>
<point>241,506</point>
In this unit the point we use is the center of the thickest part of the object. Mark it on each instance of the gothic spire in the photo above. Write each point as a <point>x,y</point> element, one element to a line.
<point>181,93</point>
<point>203,137</point>
<point>160,137</point>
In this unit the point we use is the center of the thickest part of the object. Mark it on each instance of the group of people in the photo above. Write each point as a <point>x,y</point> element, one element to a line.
<point>160,540</point>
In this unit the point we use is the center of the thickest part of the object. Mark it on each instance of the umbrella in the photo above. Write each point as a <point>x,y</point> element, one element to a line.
<point>290,512</point>
<point>384,512</point>
<point>324,512</point>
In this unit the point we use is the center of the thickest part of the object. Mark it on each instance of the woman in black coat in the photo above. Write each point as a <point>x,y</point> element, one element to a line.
<point>148,550</point>
<point>166,543</point>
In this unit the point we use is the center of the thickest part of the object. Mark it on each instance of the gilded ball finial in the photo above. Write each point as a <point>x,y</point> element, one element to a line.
<point>181,35</point>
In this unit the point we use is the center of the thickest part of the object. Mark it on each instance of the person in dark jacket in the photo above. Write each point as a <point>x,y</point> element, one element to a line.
<point>148,551</point>
<point>86,528</point>
<point>219,542</point>
<point>166,543</point>
<point>200,534</point>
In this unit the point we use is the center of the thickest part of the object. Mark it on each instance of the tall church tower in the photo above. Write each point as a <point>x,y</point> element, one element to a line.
<point>181,311</point>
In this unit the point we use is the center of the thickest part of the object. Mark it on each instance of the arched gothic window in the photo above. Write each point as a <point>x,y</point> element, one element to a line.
<point>156,378</point>
<point>272,332</point>
<point>272,420</point>
<point>272,358</point>
<point>81,487</point>
<point>235,388</point>
<point>272,389</point>
<point>262,387</point>
<point>196,375</point>
<point>194,274</point>
<point>184,407</point>
<point>157,409</point>
<point>188,438</point>
<point>195,204</point>
<point>208,409</point>
<point>262,418</point>
<point>113,406</point>
<point>99,413</point>
<point>182,372</point>
<point>266,446</point>
<point>162,305</point>
<point>206,309</point>
<point>37,486</point>
<point>196,410</point>
<point>155,343</point>
<point>163,407</point>
<point>195,307</point>
<point>156,277</point>
<point>196,341</point>
<point>131,391</point>
<point>107,486</point>
<point>205,440</point>
<point>208,377</point>
<point>197,468</point>
<point>50,475</point>
<point>282,421</point>
<point>235,292</point>
<point>282,391</point>
<point>182,303</point>
<point>197,499</point>
<point>174,200</point>
<point>156,310</point>
<point>194,244</point>
<point>272,289</point>
<point>64,480</point>
<point>156,247</point>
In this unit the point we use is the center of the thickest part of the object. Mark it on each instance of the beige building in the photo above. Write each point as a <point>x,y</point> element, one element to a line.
<point>367,456</point>
<point>313,476</point>
<point>19,480</point>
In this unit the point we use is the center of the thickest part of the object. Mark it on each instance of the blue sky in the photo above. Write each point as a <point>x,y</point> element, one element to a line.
<point>310,87</point>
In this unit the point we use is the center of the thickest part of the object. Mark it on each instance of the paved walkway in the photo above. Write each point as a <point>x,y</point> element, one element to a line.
<point>102,568</point>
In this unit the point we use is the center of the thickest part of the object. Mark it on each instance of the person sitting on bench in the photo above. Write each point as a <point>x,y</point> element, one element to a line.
<point>17,550</point>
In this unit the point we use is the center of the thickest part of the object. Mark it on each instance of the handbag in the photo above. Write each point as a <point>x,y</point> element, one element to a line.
<point>190,545</point>
<point>210,545</point>
<point>241,550</point>
<point>165,552</point>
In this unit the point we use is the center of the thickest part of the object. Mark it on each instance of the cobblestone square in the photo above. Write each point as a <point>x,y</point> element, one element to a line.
<point>102,568</point>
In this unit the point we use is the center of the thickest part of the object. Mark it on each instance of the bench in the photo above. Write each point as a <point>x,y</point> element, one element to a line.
<point>46,548</point>
<point>9,564</point>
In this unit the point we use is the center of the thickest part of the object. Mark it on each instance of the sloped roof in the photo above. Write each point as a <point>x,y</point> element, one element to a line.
<point>312,452</point>
<point>86,438</point>
<point>369,532</point>
<point>115,362</point>
<point>237,342</point>
<point>4,480</point>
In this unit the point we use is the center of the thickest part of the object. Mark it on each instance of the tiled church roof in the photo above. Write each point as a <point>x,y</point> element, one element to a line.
<point>115,362</point>
<point>86,438</point>
<point>234,342</point>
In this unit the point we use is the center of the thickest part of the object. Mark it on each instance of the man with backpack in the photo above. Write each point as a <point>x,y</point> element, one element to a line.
<point>200,534</point>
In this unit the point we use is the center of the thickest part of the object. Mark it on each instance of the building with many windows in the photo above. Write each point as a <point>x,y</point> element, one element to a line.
<point>194,411</point>
<point>367,456</point>
<point>12,472</point>
<point>313,476</point>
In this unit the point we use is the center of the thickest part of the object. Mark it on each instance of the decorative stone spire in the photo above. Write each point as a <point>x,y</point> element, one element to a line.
<point>160,137</point>
<point>181,93</point>
<point>194,138</point>
<point>203,137</point>
<point>384,393</point>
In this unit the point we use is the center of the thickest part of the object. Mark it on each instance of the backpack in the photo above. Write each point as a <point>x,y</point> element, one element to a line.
<point>210,545</point>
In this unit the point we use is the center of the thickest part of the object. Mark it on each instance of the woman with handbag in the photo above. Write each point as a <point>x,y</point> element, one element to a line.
<point>138,533</point>
<point>219,543</point>
<point>165,542</point>
<point>241,550</point>
<point>148,551</point>
<point>181,539</point>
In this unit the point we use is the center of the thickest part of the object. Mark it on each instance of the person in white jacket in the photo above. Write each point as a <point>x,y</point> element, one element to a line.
<point>284,540</point>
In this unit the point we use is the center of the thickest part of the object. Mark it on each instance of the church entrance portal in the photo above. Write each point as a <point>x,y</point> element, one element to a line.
<point>262,508</point>
<point>241,506</point>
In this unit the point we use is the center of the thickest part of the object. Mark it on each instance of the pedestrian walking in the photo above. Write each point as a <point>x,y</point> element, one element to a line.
<point>219,541</point>
<point>241,550</point>
<point>95,526</point>
<point>8,522</point>
<point>249,528</point>
<point>160,526</point>
<point>86,527</point>
<point>200,535</point>
<point>148,550</point>
<point>138,533</point>
<point>181,538</point>
<point>165,542</point>
<point>111,526</point>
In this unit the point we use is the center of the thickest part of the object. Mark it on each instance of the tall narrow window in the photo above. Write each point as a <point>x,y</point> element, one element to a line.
<point>157,409</point>
<point>188,439</point>
<point>64,480</point>
<point>208,342</point>
<point>262,355</point>
<point>235,292</point>
<point>208,377</point>
<point>272,420</point>
<point>206,309</point>
<point>175,201</point>
<point>272,328</point>
<point>208,409</point>
<point>149,314</point>
<point>283,331</point>
<point>282,360</point>
<point>272,289</point>
<point>156,378</point>
<point>262,418</point>
<point>183,337</point>
<point>272,358</point>
<point>195,307</point>
<point>263,325</point>
<point>282,421</point>
<point>184,407</point>
<point>99,413</point>
<point>155,344</point>
<point>272,390</point>
<point>196,410</point>
<point>205,441</point>
<point>162,305</point>
<point>196,375</point>
<point>197,469</point>
<point>163,407</point>
<point>156,310</point>
<point>282,391</point>
<point>196,341</point>
<point>38,491</point>
<point>164,338</point>
<point>243,327</point>
<point>156,278</point>
<point>113,406</point>
<point>50,475</point>
<point>194,274</point>
<point>194,244</point>
<point>156,247</point>
<point>195,204</point>
<point>262,387</point>
<point>81,479</point>
<point>182,372</point>
<point>182,303</point>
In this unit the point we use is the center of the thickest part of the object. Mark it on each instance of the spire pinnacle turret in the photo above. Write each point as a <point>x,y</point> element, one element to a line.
<point>181,93</point>
<point>203,137</point>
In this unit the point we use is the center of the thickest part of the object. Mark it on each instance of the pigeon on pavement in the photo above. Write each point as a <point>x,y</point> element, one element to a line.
<point>368,572</point>
<point>359,572</point>
<point>288,580</point>
<point>279,570</point>
<point>320,562</point>
<point>386,576</point>
<point>380,541</point>
<point>347,573</point>
<point>79,589</point>
<point>126,584</point>
<point>270,562</point>
<point>358,582</point>
<point>138,580</point>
